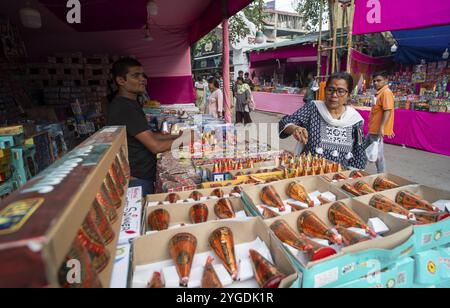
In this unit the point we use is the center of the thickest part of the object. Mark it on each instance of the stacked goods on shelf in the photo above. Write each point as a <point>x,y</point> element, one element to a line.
<point>212,255</point>
<point>70,212</point>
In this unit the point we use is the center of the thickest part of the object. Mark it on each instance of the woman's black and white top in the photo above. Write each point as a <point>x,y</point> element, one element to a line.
<point>337,140</point>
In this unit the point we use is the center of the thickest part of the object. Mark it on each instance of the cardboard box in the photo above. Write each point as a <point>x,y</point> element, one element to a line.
<point>426,236</point>
<point>398,276</point>
<point>131,226</point>
<point>39,223</point>
<point>179,214</point>
<point>243,232</point>
<point>356,261</point>
<point>244,180</point>
<point>432,266</point>
<point>120,274</point>
<point>371,179</point>
<point>252,198</point>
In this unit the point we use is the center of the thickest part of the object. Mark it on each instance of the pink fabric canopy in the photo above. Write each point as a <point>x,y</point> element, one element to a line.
<point>116,27</point>
<point>373,16</point>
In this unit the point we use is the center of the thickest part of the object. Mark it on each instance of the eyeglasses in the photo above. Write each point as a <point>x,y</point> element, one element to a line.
<point>340,92</point>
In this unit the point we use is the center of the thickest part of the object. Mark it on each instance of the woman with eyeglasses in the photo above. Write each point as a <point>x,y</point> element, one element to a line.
<point>333,128</point>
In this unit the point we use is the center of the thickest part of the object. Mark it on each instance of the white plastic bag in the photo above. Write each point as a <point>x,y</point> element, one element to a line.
<point>372,152</point>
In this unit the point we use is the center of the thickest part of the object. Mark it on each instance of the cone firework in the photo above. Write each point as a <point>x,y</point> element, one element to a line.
<point>124,164</point>
<point>311,225</point>
<point>102,198</point>
<point>288,236</point>
<point>116,180</point>
<point>224,209</point>
<point>237,190</point>
<point>199,213</point>
<point>431,217</point>
<point>297,192</point>
<point>102,223</point>
<point>173,198</point>
<point>266,274</point>
<point>341,215</point>
<point>411,201</point>
<point>196,195</point>
<point>268,213</point>
<point>88,273</point>
<point>182,249</point>
<point>222,242</point>
<point>350,189</point>
<point>364,188</point>
<point>210,280</point>
<point>218,193</point>
<point>339,177</point>
<point>358,174</point>
<point>295,207</point>
<point>317,252</point>
<point>351,238</point>
<point>270,197</point>
<point>91,238</point>
<point>159,220</point>
<point>381,184</point>
<point>155,282</point>
<point>112,191</point>
<point>386,205</point>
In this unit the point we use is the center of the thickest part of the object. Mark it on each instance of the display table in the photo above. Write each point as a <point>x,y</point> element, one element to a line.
<point>278,103</point>
<point>417,129</point>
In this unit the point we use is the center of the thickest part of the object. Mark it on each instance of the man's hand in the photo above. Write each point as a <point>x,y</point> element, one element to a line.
<point>391,136</point>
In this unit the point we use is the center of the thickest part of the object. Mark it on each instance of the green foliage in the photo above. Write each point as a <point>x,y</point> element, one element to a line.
<point>310,10</point>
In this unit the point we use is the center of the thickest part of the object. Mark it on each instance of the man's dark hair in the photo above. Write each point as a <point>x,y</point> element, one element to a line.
<point>240,72</point>
<point>214,81</point>
<point>342,76</point>
<point>121,67</point>
<point>383,74</point>
<point>247,74</point>
<point>240,78</point>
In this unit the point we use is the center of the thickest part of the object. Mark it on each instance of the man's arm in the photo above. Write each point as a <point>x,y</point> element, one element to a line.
<point>386,117</point>
<point>162,137</point>
<point>153,144</point>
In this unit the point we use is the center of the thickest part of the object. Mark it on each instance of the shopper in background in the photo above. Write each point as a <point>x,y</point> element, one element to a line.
<point>310,94</point>
<point>124,110</point>
<point>235,86</point>
<point>249,81</point>
<point>331,128</point>
<point>219,77</point>
<point>200,92</point>
<point>381,120</point>
<point>215,101</point>
<point>243,102</point>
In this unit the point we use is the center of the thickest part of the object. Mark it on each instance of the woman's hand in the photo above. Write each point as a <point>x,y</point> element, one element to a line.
<point>301,135</point>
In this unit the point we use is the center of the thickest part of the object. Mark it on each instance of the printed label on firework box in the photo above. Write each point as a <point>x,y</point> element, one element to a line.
<point>119,278</point>
<point>131,222</point>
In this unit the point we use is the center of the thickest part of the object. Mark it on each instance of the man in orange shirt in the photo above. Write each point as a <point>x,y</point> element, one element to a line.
<point>381,121</point>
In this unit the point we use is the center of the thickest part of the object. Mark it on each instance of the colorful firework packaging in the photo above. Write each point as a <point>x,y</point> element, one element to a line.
<point>155,282</point>
<point>270,197</point>
<point>102,223</point>
<point>224,209</point>
<point>102,198</point>
<point>382,183</point>
<point>386,205</point>
<point>297,192</point>
<point>340,214</point>
<point>210,280</point>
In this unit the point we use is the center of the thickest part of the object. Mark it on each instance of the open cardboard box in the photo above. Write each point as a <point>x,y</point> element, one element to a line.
<point>371,179</point>
<point>179,214</point>
<point>243,232</point>
<point>241,180</point>
<point>254,171</point>
<point>153,200</point>
<point>426,236</point>
<point>252,198</point>
<point>356,261</point>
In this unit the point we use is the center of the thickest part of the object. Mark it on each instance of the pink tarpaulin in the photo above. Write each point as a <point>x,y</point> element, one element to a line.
<point>420,130</point>
<point>278,103</point>
<point>284,53</point>
<point>373,16</point>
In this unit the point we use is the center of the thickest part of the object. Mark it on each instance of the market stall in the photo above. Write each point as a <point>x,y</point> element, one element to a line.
<point>281,72</point>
